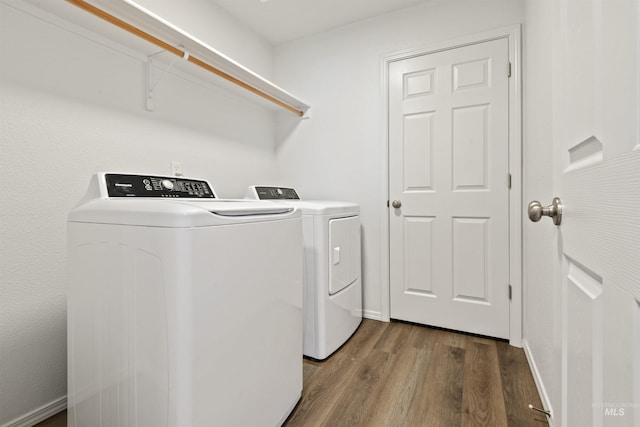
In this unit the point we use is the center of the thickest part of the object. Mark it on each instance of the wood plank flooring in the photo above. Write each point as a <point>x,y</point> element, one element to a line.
<point>398,374</point>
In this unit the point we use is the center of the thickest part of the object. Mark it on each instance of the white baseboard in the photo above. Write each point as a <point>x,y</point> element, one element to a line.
<point>373,315</point>
<point>537,378</point>
<point>40,414</point>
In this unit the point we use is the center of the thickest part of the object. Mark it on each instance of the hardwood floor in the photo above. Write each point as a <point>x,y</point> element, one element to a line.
<point>58,420</point>
<point>399,374</point>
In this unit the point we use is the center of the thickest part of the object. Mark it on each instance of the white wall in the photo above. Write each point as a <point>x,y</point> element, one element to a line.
<point>69,107</point>
<point>339,152</point>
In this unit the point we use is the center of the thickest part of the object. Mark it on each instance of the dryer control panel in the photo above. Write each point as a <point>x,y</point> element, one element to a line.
<point>271,193</point>
<point>121,185</point>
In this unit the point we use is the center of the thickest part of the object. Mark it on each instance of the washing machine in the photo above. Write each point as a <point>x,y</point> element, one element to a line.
<point>332,268</point>
<point>183,309</point>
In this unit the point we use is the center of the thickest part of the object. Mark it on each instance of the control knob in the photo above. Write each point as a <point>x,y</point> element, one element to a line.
<point>167,184</point>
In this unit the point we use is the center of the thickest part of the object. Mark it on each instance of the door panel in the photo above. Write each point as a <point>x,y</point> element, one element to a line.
<point>470,133</point>
<point>418,158</point>
<point>584,338</point>
<point>470,269</point>
<point>471,75</point>
<point>448,166</point>
<point>418,241</point>
<point>600,242</point>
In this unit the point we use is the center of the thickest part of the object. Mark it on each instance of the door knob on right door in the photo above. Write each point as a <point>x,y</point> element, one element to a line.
<point>554,211</point>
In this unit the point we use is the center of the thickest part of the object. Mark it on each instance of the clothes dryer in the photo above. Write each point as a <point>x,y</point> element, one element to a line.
<point>183,309</point>
<point>332,268</point>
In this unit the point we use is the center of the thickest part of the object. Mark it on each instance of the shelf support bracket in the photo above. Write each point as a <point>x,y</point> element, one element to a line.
<point>150,105</point>
<point>151,85</point>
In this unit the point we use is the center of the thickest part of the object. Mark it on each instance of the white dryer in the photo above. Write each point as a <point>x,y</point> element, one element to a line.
<point>332,268</point>
<point>183,309</point>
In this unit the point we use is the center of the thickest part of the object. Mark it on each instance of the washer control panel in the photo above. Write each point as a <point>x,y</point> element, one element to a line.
<point>120,185</point>
<point>271,193</point>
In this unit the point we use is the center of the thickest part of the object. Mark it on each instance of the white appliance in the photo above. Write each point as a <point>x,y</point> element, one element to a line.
<point>183,309</point>
<point>332,268</point>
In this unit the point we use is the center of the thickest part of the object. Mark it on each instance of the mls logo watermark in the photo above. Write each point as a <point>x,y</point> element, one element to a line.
<point>616,409</point>
<point>613,412</point>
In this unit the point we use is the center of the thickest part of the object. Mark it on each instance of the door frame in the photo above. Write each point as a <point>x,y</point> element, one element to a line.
<point>513,35</point>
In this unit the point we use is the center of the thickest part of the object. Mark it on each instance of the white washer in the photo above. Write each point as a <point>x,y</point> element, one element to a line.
<point>183,309</point>
<point>332,268</point>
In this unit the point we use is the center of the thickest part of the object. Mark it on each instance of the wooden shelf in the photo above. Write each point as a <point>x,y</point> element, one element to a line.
<point>154,30</point>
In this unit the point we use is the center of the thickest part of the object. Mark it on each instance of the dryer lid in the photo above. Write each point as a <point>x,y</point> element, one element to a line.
<point>308,207</point>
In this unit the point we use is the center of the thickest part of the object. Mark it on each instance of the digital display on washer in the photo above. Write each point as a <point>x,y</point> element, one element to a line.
<point>270,193</point>
<point>119,185</point>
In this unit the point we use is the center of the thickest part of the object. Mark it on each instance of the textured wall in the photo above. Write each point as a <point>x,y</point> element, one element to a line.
<point>69,107</point>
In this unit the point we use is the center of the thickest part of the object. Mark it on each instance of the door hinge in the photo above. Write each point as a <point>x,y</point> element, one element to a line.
<point>509,181</point>
<point>510,293</point>
<point>509,69</point>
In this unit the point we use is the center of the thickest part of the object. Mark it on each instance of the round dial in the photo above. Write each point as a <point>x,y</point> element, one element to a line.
<point>167,184</point>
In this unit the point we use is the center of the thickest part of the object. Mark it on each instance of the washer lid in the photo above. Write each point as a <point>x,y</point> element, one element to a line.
<point>179,213</point>
<point>324,207</point>
<point>167,201</point>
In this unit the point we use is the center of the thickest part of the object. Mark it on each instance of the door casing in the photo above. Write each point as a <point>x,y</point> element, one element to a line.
<point>513,34</point>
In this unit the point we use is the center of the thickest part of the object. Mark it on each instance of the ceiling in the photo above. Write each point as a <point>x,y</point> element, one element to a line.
<point>279,21</point>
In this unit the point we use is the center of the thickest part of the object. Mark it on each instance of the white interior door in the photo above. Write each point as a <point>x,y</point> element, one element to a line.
<point>597,167</point>
<point>448,180</point>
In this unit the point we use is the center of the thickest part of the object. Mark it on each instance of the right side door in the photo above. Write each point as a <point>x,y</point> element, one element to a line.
<point>597,177</point>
